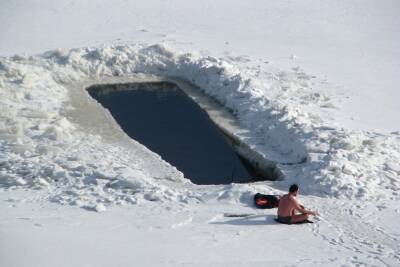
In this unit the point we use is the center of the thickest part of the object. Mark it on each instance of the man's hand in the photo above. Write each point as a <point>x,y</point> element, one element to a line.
<point>312,213</point>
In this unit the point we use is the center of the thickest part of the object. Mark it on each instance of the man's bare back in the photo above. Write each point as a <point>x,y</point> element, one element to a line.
<point>288,205</point>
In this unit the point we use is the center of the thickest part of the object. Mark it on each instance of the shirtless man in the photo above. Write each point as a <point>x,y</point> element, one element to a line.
<point>288,205</point>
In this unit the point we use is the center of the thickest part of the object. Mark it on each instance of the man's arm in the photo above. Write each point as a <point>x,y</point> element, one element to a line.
<point>301,209</point>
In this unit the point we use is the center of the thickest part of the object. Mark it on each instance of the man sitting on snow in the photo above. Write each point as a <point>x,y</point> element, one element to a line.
<point>288,205</point>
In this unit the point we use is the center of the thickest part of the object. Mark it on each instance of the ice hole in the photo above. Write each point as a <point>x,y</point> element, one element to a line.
<point>162,117</point>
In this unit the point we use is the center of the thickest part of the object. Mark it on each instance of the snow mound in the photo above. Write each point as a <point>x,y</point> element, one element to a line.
<point>42,147</point>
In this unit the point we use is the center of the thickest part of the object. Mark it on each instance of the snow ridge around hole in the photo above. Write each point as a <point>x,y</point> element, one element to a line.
<point>42,147</point>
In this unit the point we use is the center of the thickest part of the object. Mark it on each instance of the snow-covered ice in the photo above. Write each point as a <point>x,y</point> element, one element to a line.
<point>73,182</point>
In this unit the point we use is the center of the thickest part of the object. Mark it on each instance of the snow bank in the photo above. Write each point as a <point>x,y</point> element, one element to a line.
<point>41,147</point>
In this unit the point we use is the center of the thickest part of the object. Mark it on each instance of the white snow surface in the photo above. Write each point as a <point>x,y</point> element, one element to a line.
<point>314,86</point>
<point>351,44</point>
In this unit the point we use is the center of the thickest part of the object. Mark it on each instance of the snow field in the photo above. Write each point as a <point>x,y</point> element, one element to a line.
<point>313,83</point>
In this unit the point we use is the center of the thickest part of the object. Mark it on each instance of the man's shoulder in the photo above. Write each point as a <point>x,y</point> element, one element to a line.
<point>288,197</point>
<point>285,196</point>
<point>292,198</point>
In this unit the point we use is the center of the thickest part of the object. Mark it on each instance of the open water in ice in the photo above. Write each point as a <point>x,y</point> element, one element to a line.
<point>167,121</point>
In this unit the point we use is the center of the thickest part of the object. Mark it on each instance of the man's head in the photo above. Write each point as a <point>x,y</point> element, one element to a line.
<point>293,189</point>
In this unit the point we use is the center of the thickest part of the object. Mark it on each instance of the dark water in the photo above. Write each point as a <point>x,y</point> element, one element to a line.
<point>168,122</point>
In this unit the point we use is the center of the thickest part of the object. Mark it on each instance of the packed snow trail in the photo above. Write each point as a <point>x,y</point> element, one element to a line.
<point>167,234</point>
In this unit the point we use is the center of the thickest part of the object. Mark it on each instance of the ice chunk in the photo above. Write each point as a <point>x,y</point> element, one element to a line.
<point>100,208</point>
<point>34,114</point>
<point>152,196</point>
<point>10,180</point>
<point>349,169</point>
<point>395,167</point>
<point>54,133</point>
<point>125,184</point>
<point>21,148</point>
<point>42,182</point>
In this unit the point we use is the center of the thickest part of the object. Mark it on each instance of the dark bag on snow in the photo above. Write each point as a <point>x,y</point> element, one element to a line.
<point>266,201</point>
